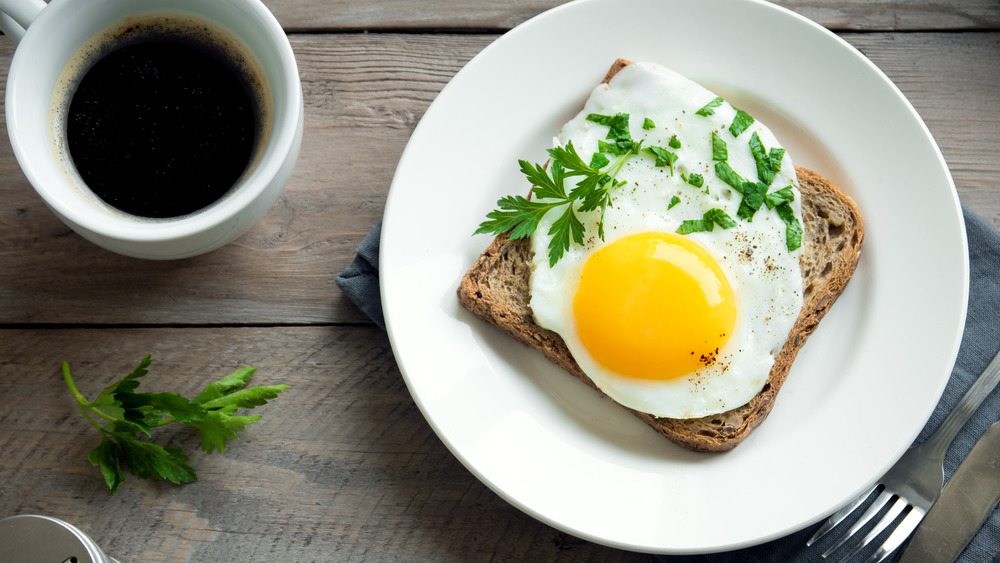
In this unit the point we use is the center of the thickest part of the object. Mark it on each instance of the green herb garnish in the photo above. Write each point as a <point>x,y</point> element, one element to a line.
<point>753,198</point>
<point>729,176</point>
<point>778,197</point>
<point>740,123</point>
<point>123,416</point>
<point>719,149</point>
<point>712,217</point>
<point>617,148</point>
<point>674,142</point>
<point>707,110</point>
<point>768,164</point>
<point>618,133</point>
<point>663,157</point>
<point>521,215</point>
<point>793,228</point>
<point>617,124</point>
<point>695,180</point>
<point>673,201</point>
<point>648,124</point>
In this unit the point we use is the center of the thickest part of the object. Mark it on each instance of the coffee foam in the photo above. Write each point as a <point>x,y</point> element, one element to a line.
<point>150,27</point>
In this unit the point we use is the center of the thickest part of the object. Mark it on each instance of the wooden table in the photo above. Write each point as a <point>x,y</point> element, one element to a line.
<point>343,466</point>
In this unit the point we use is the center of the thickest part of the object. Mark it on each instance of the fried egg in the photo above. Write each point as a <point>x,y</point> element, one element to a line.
<point>670,324</point>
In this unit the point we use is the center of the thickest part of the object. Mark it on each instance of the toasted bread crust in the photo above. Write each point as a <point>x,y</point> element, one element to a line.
<point>497,289</point>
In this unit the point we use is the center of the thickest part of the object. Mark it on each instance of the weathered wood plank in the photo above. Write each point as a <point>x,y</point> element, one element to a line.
<point>342,466</point>
<point>498,15</point>
<point>952,81</point>
<point>883,15</point>
<point>904,15</point>
<point>364,94</point>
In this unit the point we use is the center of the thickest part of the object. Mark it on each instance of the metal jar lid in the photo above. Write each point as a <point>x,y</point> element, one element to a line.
<point>31,538</point>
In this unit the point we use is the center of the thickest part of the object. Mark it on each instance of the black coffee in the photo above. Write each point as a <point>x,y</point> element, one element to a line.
<point>161,128</point>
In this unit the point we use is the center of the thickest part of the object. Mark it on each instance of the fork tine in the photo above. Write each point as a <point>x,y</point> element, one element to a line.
<point>880,501</point>
<point>899,535</point>
<point>894,511</point>
<point>839,515</point>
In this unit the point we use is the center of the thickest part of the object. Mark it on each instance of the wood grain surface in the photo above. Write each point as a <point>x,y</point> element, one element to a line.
<point>390,15</point>
<point>343,466</point>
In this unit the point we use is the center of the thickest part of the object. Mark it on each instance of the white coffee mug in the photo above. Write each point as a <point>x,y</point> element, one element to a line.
<point>49,36</point>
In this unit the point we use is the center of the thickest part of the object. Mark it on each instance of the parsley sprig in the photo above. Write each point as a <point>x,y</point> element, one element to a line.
<point>521,215</point>
<point>122,416</point>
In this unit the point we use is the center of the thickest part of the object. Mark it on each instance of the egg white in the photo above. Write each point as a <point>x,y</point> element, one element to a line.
<point>764,274</point>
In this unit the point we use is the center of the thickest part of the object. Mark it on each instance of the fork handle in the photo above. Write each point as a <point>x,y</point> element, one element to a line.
<point>939,442</point>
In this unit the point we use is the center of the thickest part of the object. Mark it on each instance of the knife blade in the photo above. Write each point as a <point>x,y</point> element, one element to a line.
<point>966,501</point>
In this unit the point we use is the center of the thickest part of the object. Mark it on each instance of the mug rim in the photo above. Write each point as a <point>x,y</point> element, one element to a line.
<point>279,145</point>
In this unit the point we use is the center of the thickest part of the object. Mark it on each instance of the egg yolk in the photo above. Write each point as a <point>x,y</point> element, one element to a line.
<point>654,306</point>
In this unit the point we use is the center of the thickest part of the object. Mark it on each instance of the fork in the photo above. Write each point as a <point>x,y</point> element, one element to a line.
<point>915,481</point>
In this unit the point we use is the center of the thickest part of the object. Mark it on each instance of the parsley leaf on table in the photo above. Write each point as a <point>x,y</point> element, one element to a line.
<point>123,416</point>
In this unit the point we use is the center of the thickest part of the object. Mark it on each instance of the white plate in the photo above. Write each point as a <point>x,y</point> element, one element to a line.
<point>863,386</point>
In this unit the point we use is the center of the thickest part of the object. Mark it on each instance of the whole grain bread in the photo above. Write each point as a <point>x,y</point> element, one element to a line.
<point>497,289</point>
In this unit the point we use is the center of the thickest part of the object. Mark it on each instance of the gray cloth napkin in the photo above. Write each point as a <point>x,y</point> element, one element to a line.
<point>359,281</point>
<point>980,343</point>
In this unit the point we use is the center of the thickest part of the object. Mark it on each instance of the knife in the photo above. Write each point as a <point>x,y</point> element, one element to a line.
<point>965,502</point>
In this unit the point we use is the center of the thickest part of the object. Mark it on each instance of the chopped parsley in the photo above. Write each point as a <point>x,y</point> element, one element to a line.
<point>793,228</point>
<point>648,124</point>
<point>618,133</point>
<point>729,176</point>
<point>740,123</point>
<point>720,151</point>
<point>617,148</point>
<point>673,201</point>
<point>778,197</point>
<point>663,156</point>
<point>753,198</point>
<point>707,110</point>
<point>709,220</point>
<point>695,179</point>
<point>768,164</point>
<point>617,124</point>
<point>674,142</point>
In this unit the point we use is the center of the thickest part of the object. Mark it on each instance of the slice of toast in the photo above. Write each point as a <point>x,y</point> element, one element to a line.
<point>497,289</point>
